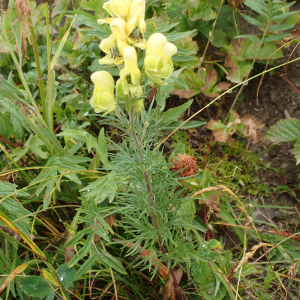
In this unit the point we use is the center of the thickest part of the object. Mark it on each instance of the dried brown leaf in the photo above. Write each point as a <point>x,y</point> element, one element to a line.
<point>181,93</point>
<point>252,126</point>
<point>169,292</point>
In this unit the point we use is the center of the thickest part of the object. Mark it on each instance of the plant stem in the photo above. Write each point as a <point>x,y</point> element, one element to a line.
<point>39,73</point>
<point>50,109</point>
<point>151,202</point>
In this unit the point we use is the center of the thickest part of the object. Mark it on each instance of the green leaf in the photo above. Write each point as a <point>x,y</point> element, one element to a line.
<point>201,271</point>
<point>210,290</point>
<point>175,113</point>
<point>275,37</point>
<point>76,59</point>
<point>284,131</point>
<point>219,38</point>
<point>259,8</point>
<point>102,148</point>
<point>280,27</point>
<point>187,125</point>
<point>209,249</point>
<point>204,11</point>
<point>110,261</point>
<point>38,125</point>
<point>34,286</point>
<point>175,36</point>
<point>87,265</point>
<point>102,188</point>
<point>66,274</point>
<point>92,5</point>
<point>285,15</point>
<point>78,236</point>
<point>253,21</point>
<point>251,37</point>
<point>247,269</point>
<point>297,151</point>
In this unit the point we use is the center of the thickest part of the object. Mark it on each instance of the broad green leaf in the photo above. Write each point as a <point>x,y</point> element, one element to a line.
<point>247,269</point>
<point>297,151</point>
<point>210,290</point>
<point>66,275</point>
<point>201,271</point>
<point>175,113</point>
<point>284,131</point>
<point>92,5</point>
<point>219,38</point>
<point>209,249</point>
<point>203,11</point>
<point>6,128</point>
<point>34,286</point>
<point>88,264</point>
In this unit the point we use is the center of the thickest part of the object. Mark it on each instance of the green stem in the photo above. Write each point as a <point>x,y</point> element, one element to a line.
<point>14,163</point>
<point>151,202</point>
<point>50,108</point>
<point>39,73</point>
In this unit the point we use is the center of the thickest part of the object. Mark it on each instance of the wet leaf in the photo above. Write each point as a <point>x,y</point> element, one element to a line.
<point>201,271</point>
<point>66,275</point>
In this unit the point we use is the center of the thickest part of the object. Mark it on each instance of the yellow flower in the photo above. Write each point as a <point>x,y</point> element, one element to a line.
<point>103,96</point>
<point>117,9</point>
<point>136,25</point>
<point>130,75</point>
<point>158,62</point>
<point>115,44</point>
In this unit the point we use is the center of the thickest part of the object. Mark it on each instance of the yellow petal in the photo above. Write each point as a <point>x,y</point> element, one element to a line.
<point>118,8</point>
<point>103,96</point>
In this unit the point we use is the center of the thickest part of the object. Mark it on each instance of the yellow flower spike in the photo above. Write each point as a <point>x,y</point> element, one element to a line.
<point>130,75</point>
<point>158,62</point>
<point>103,98</point>
<point>117,9</point>
<point>114,45</point>
<point>136,25</point>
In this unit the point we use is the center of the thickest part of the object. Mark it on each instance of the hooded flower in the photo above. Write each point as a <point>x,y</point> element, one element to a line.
<point>103,96</point>
<point>136,25</point>
<point>130,75</point>
<point>115,44</point>
<point>117,9</point>
<point>158,62</point>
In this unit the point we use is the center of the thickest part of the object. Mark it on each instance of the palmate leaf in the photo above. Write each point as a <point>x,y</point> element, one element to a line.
<point>284,131</point>
<point>212,289</point>
<point>201,271</point>
<point>34,286</point>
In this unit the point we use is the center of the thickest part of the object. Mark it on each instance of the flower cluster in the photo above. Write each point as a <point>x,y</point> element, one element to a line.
<point>127,24</point>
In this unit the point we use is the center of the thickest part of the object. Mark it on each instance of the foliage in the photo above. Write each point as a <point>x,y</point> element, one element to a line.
<point>88,194</point>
